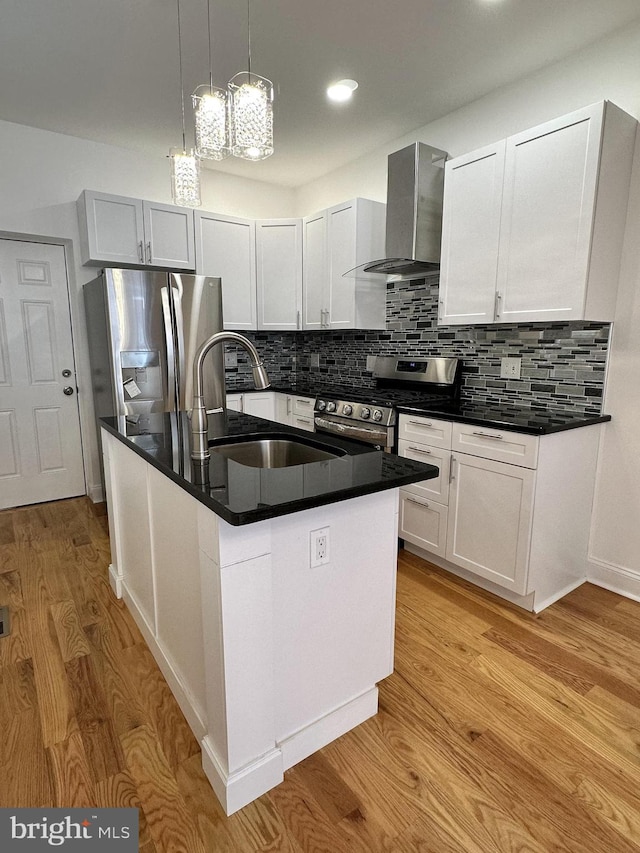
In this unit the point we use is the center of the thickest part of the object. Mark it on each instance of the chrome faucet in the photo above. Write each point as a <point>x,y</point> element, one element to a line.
<point>199,422</point>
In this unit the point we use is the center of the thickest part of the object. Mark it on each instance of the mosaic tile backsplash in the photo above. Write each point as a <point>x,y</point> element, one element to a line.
<point>563,364</point>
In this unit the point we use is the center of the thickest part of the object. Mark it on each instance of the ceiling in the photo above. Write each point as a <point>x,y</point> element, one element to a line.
<point>107,70</point>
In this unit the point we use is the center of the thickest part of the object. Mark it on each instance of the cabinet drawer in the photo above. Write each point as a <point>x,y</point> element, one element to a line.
<point>429,431</point>
<point>423,523</point>
<point>302,406</point>
<point>513,447</point>
<point>303,422</point>
<point>438,488</point>
<point>234,402</point>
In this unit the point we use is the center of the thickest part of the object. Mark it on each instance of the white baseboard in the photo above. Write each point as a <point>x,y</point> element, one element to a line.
<point>313,737</point>
<point>616,578</point>
<point>545,602</point>
<point>235,790</point>
<point>115,581</point>
<point>96,493</point>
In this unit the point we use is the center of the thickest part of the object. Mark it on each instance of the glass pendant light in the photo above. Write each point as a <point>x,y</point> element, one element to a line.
<point>185,167</point>
<point>250,111</point>
<point>210,114</point>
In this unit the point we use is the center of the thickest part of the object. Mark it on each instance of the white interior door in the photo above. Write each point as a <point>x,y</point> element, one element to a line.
<point>40,449</point>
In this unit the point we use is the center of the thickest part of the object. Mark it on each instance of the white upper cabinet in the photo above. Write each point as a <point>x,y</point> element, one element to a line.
<point>470,236</point>
<point>565,189</point>
<point>169,236</point>
<point>225,247</point>
<point>121,231</point>
<point>314,275</point>
<point>336,241</point>
<point>279,274</point>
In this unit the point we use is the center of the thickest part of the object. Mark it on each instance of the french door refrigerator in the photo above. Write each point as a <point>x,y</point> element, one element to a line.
<point>144,329</point>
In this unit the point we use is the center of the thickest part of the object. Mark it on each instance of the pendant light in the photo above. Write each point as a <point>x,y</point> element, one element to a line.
<point>250,111</point>
<point>185,167</point>
<point>210,106</point>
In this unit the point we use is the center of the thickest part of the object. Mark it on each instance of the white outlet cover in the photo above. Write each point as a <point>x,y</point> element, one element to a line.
<point>314,535</point>
<point>510,368</point>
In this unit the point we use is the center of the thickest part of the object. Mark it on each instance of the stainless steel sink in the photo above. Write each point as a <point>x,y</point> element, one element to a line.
<point>274,453</point>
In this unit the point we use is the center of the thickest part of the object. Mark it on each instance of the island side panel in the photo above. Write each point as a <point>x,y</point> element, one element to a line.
<point>333,624</point>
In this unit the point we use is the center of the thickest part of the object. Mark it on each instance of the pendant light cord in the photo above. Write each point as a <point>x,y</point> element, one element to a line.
<point>210,60</point>
<point>184,137</point>
<point>249,35</point>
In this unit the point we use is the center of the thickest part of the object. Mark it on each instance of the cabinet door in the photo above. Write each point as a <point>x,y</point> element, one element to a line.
<point>436,489</point>
<point>423,523</point>
<point>304,422</point>
<point>279,274</point>
<point>169,235</point>
<point>490,511</point>
<point>551,175</point>
<point>341,242</point>
<point>225,247</point>
<point>234,402</point>
<point>314,276</point>
<point>471,236</point>
<point>282,408</point>
<point>263,405</point>
<point>111,229</point>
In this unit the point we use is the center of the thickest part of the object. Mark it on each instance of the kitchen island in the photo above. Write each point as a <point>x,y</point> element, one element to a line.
<point>266,595</point>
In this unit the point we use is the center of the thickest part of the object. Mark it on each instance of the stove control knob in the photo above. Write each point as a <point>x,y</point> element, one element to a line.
<point>365,413</point>
<point>347,409</point>
<point>331,407</point>
<point>377,415</point>
<point>321,405</point>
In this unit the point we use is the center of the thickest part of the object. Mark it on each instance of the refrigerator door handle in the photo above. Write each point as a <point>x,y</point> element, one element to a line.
<point>171,352</point>
<point>182,383</point>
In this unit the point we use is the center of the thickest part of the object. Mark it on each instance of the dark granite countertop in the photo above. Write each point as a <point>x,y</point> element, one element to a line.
<point>241,494</point>
<point>510,418</point>
<point>507,416</point>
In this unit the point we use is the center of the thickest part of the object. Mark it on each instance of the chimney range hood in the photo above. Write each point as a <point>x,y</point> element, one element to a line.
<point>415,187</point>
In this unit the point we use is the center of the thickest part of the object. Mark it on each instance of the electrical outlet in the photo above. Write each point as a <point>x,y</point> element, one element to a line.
<point>371,363</point>
<point>510,368</point>
<point>314,359</point>
<point>231,359</point>
<point>319,546</point>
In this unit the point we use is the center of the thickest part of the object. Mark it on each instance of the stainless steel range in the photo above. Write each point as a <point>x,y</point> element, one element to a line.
<point>369,414</point>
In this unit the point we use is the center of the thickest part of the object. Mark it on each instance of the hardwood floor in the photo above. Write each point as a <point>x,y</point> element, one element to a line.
<point>499,730</point>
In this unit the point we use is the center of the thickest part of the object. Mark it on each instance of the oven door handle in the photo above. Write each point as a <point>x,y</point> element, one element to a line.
<point>374,436</point>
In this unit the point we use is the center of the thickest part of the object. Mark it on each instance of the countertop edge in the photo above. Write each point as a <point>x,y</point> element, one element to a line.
<point>587,420</point>
<point>237,519</point>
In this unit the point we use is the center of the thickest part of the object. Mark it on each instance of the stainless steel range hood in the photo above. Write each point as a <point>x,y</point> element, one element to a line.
<point>415,186</point>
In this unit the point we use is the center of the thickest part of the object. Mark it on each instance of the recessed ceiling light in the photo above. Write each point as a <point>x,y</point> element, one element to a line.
<point>342,90</point>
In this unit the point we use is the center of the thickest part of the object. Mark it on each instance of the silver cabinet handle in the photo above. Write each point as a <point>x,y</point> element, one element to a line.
<point>149,252</point>
<point>452,475</point>
<point>414,501</point>
<point>497,304</point>
<point>420,450</point>
<point>421,423</point>
<point>488,435</point>
<point>440,309</point>
<point>288,405</point>
<point>141,252</point>
<point>297,319</point>
<point>302,402</point>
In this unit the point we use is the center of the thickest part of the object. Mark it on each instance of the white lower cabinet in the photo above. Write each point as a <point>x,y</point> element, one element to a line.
<point>491,510</point>
<point>423,522</point>
<point>289,409</point>
<point>511,513</point>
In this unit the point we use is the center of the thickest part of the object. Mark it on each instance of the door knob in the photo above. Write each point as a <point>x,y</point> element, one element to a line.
<point>68,390</point>
<point>66,372</point>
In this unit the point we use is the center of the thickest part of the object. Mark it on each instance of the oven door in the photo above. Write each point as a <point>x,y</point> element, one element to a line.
<point>380,437</point>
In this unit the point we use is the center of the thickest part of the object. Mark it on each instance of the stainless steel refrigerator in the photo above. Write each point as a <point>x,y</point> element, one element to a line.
<point>144,329</point>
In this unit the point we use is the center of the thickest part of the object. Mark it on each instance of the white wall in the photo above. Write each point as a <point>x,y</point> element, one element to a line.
<point>43,174</point>
<point>608,69</point>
